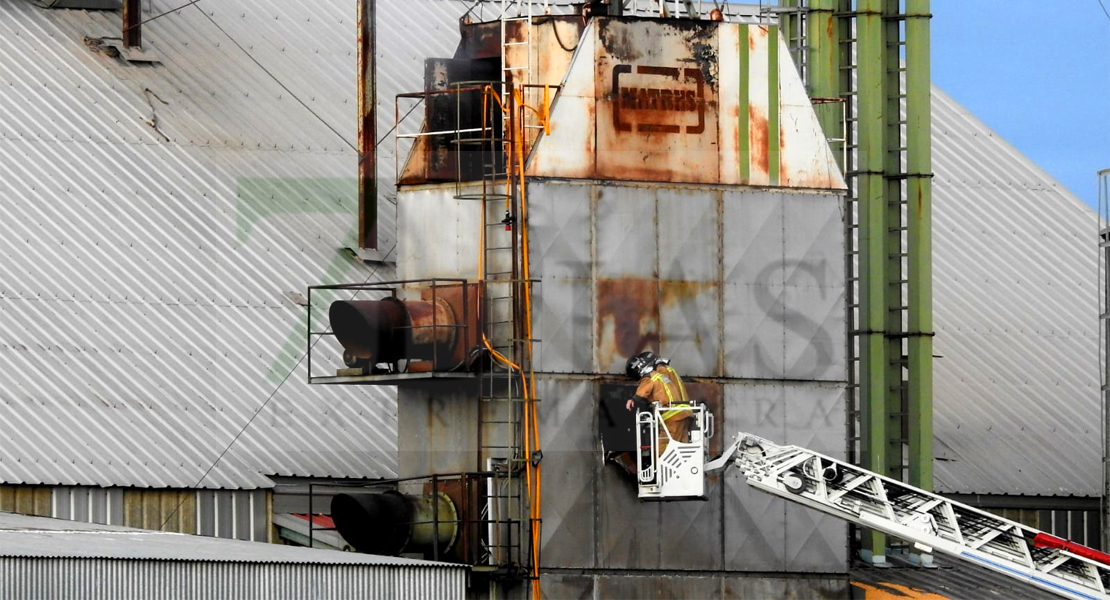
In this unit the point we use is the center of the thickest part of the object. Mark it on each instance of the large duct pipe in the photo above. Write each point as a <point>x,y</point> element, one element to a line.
<point>390,523</point>
<point>385,331</point>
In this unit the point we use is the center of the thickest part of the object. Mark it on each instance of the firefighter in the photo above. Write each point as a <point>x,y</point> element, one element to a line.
<point>660,383</point>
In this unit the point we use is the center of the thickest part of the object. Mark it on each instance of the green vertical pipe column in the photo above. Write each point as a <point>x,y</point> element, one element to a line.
<point>823,37</point>
<point>919,173</point>
<point>872,208</point>
<point>896,408</point>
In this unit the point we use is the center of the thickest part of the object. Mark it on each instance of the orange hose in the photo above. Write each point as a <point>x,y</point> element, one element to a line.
<point>515,150</point>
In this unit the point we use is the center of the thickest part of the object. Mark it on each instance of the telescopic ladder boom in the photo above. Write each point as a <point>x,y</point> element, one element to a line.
<point>927,520</point>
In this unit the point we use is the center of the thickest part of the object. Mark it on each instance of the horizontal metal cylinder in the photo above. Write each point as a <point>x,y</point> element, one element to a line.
<point>389,330</point>
<point>390,523</point>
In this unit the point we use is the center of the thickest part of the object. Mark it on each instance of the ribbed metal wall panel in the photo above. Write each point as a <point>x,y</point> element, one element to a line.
<point>76,579</point>
<point>1016,314</point>
<point>149,285</point>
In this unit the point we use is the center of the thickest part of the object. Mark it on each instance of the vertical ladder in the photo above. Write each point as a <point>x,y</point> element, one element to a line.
<point>499,413</point>
<point>851,231</point>
<point>504,378</point>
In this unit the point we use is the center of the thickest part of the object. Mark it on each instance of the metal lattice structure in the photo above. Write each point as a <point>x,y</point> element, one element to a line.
<point>928,521</point>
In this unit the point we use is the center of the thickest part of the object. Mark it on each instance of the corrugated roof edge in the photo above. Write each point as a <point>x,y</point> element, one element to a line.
<point>22,536</point>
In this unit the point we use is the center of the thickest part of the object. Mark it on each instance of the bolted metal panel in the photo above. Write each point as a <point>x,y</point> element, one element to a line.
<point>627,225</point>
<point>689,268</point>
<point>809,588</point>
<point>659,586</point>
<point>559,227</point>
<point>690,101</point>
<point>564,325</point>
<point>813,302</point>
<point>752,245</point>
<point>753,587</point>
<point>559,220</point>
<point>567,587</point>
<point>439,235</point>
<point>569,149</point>
<point>629,536</point>
<point>688,233</point>
<point>806,159</point>
<point>446,418</point>
<point>570,447</point>
<point>641,136</point>
<point>814,418</point>
<point>691,531</point>
<point>689,321</point>
<point>754,522</point>
<point>732,137</point>
<point>627,320</point>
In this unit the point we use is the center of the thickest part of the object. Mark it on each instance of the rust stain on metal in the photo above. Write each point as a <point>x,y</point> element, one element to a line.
<point>480,40</point>
<point>416,165</point>
<point>618,39</point>
<point>628,318</point>
<point>367,127</point>
<point>433,323</point>
<point>675,293</point>
<point>760,140</point>
<point>784,163</point>
<point>463,304</point>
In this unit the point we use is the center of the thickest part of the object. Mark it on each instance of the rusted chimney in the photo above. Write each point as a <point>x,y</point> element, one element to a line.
<point>132,24</point>
<point>367,127</point>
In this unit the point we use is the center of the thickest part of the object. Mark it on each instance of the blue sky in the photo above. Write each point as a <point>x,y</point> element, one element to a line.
<point>1038,73</point>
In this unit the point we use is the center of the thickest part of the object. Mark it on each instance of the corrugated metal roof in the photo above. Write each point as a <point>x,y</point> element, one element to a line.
<point>156,219</point>
<point>49,558</point>
<point>43,537</point>
<point>1016,315</point>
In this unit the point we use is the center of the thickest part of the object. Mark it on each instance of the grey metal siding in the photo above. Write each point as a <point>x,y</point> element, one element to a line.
<point>76,579</point>
<point>1016,314</point>
<point>149,281</point>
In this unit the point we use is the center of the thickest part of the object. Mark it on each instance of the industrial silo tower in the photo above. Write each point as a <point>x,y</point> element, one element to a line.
<point>586,187</point>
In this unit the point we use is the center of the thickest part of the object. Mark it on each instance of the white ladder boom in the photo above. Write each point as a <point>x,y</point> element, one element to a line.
<point>927,520</point>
